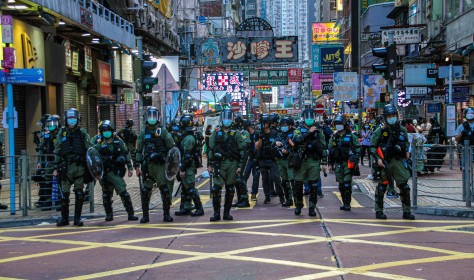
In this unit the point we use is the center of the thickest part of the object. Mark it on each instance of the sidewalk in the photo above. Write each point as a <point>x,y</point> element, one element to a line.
<point>36,216</point>
<point>439,193</point>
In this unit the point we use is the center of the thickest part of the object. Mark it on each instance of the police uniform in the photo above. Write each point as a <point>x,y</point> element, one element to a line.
<point>129,136</point>
<point>152,149</point>
<point>70,149</point>
<point>344,147</point>
<point>225,157</point>
<point>286,173</point>
<point>115,158</point>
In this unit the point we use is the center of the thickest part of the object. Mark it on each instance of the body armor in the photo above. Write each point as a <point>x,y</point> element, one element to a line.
<point>267,151</point>
<point>155,147</point>
<point>341,149</point>
<point>113,160</point>
<point>227,146</point>
<point>127,135</point>
<point>393,142</point>
<point>72,142</point>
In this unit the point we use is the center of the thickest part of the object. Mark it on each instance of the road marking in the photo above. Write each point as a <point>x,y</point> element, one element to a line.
<point>252,205</point>
<point>354,203</point>
<point>178,200</point>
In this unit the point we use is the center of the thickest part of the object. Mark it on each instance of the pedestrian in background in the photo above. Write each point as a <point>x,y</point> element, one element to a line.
<point>366,134</point>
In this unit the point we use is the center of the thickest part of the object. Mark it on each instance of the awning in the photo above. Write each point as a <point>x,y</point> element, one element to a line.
<point>207,95</point>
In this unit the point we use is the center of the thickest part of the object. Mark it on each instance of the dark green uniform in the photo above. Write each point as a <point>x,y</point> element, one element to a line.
<point>129,136</point>
<point>241,186</point>
<point>186,205</point>
<point>344,147</point>
<point>310,151</point>
<point>115,158</point>
<point>228,144</point>
<point>286,173</point>
<point>46,160</point>
<point>70,150</point>
<point>393,139</point>
<point>152,149</point>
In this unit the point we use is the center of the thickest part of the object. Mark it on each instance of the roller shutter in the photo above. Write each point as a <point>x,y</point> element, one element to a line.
<point>19,96</point>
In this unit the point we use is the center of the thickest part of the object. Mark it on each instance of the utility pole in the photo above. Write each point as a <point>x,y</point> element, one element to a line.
<point>140,96</point>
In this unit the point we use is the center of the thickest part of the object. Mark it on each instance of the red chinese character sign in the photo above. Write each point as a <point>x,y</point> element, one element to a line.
<point>295,75</point>
<point>247,50</point>
<point>105,83</point>
<point>230,82</point>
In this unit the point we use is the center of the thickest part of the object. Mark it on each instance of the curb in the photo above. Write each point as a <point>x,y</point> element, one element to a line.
<point>450,212</point>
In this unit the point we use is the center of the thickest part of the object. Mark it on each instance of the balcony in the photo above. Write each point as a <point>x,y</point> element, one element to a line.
<point>94,17</point>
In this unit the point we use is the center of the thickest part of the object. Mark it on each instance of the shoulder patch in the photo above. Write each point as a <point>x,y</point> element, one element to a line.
<point>232,133</point>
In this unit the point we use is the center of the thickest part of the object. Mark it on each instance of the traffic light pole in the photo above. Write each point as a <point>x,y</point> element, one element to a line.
<point>140,96</point>
<point>390,81</point>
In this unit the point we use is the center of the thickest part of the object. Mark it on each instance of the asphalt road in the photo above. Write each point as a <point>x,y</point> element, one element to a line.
<point>263,242</point>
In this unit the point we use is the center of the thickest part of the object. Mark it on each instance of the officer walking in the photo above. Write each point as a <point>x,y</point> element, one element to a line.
<point>225,161</point>
<point>391,142</point>
<point>189,163</point>
<point>70,150</point>
<point>266,154</point>
<point>308,157</point>
<point>129,136</point>
<point>286,173</point>
<point>46,161</point>
<point>115,157</point>
<point>153,145</point>
<point>344,150</point>
<point>241,187</point>
<point>251,166</point>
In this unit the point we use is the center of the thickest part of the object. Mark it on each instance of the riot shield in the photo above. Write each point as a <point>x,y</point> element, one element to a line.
<point>94,163</point>
<point>173,160</point>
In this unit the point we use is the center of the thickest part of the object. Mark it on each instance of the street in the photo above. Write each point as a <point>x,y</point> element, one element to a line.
<point>263,242</point>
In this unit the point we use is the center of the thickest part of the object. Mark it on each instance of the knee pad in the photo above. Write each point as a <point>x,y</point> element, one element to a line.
<point>146,191</point>
<point>165,190</point>
<point>313,184</point>
<point>106,195</point>
<point>216,188</point>
<point>382,188</point>
<point>404,187</point>
<point>124,194</point>
<point>230,189</point>
<point>80,195</point>
<point>347,185</point>
<point>192,190</point>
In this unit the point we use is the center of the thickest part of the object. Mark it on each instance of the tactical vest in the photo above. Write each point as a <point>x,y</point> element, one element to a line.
<point>341,147</point>
<point>126,135</point>
<point>72,142</point>
<point>47,148</point>
<point>154,144</point>
<point>267,151</point>
<point>284,138</point>
<point>313,148</point>
<point>227,146</point>
<point>469,135</point>
<point>393,143</point>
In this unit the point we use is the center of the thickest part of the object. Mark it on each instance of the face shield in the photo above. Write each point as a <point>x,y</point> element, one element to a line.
<point>52,124</point>
<point>227,118</point>
<point>152,117</point>
<point>309,116</point>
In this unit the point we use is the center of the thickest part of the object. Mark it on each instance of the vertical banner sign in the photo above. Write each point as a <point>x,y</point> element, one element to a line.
<point>75,61</point>
<point>88,58</point>
<point>295,75</point>
<point>105,85</point>
<point>128,96</point>
<point>450,120</point>
<point>7,29</point>
<point>316,58</point>
<point>345,86</point>
<point>374,85</point>
<point>67,46</point>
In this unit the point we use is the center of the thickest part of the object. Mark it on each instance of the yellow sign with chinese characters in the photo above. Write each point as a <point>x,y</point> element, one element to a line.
<point>164,6</point>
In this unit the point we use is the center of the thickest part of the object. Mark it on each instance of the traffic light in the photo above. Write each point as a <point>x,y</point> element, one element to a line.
<point>147,80</point>
<point>388,68</point>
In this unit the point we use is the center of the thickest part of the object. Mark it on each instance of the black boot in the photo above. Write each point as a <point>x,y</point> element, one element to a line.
<point>166,197</point>
<point>127,203</point>
<point>312,212</point>
<point>239,194</point>
<point>78,208</point>
<point>298,197</point>
<point>285,184</point>
<point>64,210</point>
<point>313,194</point>
<point>244,203</point>
<point>197,202</point>
<point>380,215</point>
<point>182,211</point>
<point>216,204</point>
<point>229,196</point>
<point>379,194</point>
<point>408,216</point>
<point>107,200</point>
<point>145,197</point>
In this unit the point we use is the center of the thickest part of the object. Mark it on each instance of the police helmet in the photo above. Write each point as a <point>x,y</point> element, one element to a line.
<point>340,119</point>
<point>469,113</point>
<point>238,119</point>
<point>152,116</point>
<point>309,113</point>
<point>42,121</point>
<point>186,122</point>
<point>273,118</point>
<point>264,118</point>
<point>72,113</point>
<point>286,121</point>
<point>227,117</point>
<point>106,125</point>
<point>129,122</point>
<point>53,122</point>
<point>246,123</point>
<point>328,121</point>
<point>389,109</point>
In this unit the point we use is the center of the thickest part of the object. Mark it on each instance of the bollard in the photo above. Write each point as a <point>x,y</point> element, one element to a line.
<point>24,182</point>
<point>414,177</point>
<point>466,173</point>
<point>91,196</point>
<point>451,153</point>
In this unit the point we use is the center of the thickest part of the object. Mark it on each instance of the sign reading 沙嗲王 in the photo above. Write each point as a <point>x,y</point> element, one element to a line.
<point>345,86</point>
<point>268,77</point>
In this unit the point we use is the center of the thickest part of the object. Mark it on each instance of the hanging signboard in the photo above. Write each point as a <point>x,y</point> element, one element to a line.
<point>229,82</point>
<point>408,35</point>
<point>374,86</point>
<point>268,77</point>
<point>295,75</point>
<point>325,31</point>
<point>345,86</point>
<point>332,59</point>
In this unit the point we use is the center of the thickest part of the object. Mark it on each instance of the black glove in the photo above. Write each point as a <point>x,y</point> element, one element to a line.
<point>354,159</point>
<point>463,133</point>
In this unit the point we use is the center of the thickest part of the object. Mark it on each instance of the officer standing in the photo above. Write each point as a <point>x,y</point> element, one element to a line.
<point>115,157</point>
<point>286,173</point>
<point>129,136</point>
<point>189,163</point>
<point>70,150</point>
<point>251,166</point>
<point>46,161</point>
<point>308,158</point>
<point>266,154</point>
<point>391,141</point>
<point>241,187</point>
<point>344,150</point>
<point>225,161</point>
<point>153,145</point>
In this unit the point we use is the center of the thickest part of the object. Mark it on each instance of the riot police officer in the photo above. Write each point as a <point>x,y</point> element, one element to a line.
<point>465,131</point>
<point>153,144</point>
<point>344,150</point>
<point>283,147</point>
<point>129,136</point>
<point>251,166</point>
<point>391,142</point>
<point>70,150</point>
<point>266,154</point>
<point>46,160</point>
<point>225,161</point>
<point>189,149</point>
<point>308,157</point>
<point>115,157</point>
<point>241,187</point>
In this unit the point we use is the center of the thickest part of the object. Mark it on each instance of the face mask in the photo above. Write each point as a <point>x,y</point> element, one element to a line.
<point>175,128</point>
<point>52,128</point>
<point>284,129</point>
<point>339,127</point>
<point>152,121</point>
<point>107,134</point>
<point>392,120</point>
<point>227,123</point>
<point>71,122</point>
<point>309,122</point>
<point>469,116</point>
<point>366,127</point>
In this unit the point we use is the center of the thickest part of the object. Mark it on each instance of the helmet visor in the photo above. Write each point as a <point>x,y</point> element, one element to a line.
<point>52,122</point>
<point>152,115</point>
<point>72,113</point>
<point>227,115</point>
<point>309,114</point>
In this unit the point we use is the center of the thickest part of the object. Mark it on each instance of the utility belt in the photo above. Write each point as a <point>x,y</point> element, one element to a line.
<point>117,170</point>
<point>79,160</point>
<point>156,157</point>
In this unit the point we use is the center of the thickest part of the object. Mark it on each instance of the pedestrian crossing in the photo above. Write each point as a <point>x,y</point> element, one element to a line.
<point>354,203</point>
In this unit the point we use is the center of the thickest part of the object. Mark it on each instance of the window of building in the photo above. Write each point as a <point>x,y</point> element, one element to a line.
<point>453,8</point>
